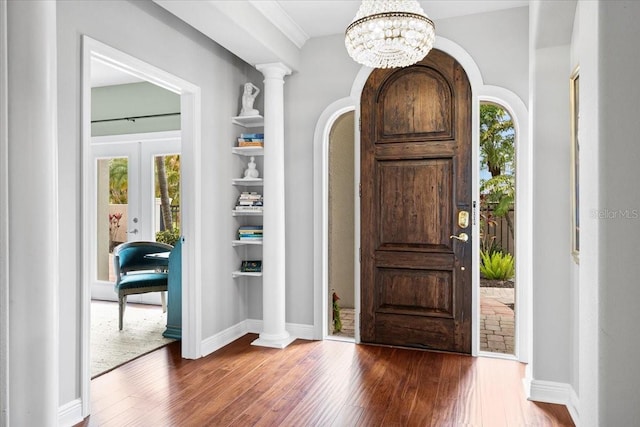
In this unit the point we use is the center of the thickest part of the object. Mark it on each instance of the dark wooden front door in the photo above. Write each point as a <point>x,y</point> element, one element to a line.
<point>416,181</point>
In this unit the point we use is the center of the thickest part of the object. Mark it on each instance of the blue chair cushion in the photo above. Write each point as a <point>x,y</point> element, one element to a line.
<point>142,280</point>
<point>133,258</point>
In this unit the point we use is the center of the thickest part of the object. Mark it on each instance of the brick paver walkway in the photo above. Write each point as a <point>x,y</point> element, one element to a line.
<point>497,320</point>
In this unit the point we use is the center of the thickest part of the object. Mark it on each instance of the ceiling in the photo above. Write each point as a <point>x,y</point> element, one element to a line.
<point>267,31</point>
<point>300,20</point>
<point>105,75</point>
<point>319,18</point>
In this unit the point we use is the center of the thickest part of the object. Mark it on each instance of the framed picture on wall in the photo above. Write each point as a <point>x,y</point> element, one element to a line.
<point>575,163</point>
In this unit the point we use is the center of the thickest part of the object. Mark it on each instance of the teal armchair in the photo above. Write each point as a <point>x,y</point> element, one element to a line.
<point>138,273</point>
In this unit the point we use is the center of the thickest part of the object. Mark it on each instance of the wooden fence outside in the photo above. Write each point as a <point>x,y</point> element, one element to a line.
<point>497,228</point>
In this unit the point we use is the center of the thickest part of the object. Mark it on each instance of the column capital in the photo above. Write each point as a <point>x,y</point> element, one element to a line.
<point>274,70</point>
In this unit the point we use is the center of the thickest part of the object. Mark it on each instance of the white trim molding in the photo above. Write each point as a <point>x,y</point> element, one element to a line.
<point>250,326</point>
<point>524,211</point>
<point>554,392</point>
<point>70,413</point>
<point>321,214</point>
<point>296,330</point>
<point>222,338</point>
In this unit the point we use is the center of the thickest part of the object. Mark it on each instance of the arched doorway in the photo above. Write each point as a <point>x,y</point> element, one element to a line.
<point>497,229</point>
<point>480,92</point>
<point>341,230</point>
<point>416,201</point>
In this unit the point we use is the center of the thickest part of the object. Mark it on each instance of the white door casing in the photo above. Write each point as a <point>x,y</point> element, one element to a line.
<point>190,125</point>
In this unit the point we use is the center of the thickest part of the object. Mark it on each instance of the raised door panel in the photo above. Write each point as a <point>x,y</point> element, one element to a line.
<point>417,102</point>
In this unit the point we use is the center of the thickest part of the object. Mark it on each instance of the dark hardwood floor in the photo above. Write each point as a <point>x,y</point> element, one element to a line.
<point>316,383</point>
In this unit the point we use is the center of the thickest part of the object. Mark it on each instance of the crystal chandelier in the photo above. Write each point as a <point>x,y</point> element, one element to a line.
<point>389,34</point>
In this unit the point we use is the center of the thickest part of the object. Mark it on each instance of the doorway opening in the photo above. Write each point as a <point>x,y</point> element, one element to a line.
<point>341,229</point>
<point>137,193</point>
<point>497,214</point>
<point>481,93</point>
<point>189,137</point>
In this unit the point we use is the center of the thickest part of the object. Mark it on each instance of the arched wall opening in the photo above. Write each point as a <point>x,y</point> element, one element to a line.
<point>481,93</point>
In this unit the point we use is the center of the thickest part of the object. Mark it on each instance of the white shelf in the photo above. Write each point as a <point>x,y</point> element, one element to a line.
<point>248,121</point>
<point>246,213</point>
<point>248,151</point>
<point>246,274</point>
<point>248,182</point>
<point>246,242</point>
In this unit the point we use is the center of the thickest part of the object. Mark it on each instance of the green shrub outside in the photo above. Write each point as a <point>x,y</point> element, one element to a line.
<point>169,237</point>
<point>496,265</point>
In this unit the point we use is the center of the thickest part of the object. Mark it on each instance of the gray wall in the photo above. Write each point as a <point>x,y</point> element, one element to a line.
<point>619,232</point>
<point>586,52</point>
<point>148,32</point>
<point>326,75</point>
<point>133,100</point>
<point>551,216</point>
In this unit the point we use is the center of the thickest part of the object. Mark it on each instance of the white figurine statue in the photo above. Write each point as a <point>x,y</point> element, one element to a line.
<point>248,97</point>
<point>251,172</point>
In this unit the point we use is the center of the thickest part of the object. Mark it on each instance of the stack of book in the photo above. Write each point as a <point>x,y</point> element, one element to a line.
<point>250,233</point>
<point>251,140</point>
<point>251,266</point>
<point>249,201</point>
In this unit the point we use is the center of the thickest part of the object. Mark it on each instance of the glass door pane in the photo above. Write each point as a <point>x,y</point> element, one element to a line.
<point>166,211</point>
<point>112,208</point>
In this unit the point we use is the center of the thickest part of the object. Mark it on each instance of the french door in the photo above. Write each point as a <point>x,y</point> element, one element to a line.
<point>125,206</point>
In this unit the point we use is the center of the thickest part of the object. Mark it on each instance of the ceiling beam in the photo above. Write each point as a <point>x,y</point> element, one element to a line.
<point>238,27</point>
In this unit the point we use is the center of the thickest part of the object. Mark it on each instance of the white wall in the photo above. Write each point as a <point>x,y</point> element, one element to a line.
<point>498,44</point>
<point>574,268</point>
<point>31,384</point>
<point>148,32</point>
<point>551,216</point>
<point>587,45</point>
<point>619,213</point>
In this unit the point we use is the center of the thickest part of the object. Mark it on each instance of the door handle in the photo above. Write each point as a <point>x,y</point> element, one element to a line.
<point>135,231</point>
<point>463,237</point>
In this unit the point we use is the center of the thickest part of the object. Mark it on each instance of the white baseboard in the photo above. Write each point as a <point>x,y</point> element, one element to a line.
<point>297,330</point>
<point>219,340</point>
<point>70,413</point>
<point>554,392</point>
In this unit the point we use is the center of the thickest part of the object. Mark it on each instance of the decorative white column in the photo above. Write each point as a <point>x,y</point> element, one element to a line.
<point>33,214</point>
<point>273,332</point>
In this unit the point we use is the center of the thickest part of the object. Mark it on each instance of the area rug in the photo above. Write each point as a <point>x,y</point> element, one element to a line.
<point>141,333</point>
